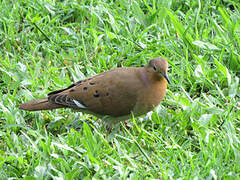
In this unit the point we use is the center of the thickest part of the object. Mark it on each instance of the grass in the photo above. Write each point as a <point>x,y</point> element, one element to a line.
<point>194,133</point>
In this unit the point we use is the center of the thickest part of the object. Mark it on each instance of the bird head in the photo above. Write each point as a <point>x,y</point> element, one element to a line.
<point>159,66</point>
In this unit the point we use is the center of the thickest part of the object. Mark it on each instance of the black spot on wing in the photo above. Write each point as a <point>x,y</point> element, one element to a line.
<point>96,94</point>
<point>79,83</point>
<point>85,80</point>
<point>92,83</point>
<point>72,90</point>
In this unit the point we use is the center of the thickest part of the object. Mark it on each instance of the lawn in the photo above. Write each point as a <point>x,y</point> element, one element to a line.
<point>193,134</point>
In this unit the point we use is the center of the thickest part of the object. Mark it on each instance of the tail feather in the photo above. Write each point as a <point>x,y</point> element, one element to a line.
<point>40,104</point>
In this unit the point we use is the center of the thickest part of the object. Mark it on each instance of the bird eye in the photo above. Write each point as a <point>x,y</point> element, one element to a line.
<point>154,68</point>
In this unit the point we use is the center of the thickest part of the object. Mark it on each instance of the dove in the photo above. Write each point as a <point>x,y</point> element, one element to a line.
<point>113,95</point>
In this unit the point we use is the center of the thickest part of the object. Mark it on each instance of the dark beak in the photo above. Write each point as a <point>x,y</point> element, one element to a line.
<point>166,77</point>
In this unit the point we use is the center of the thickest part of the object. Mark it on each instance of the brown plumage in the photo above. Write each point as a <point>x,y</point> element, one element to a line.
<point>115,94</point>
